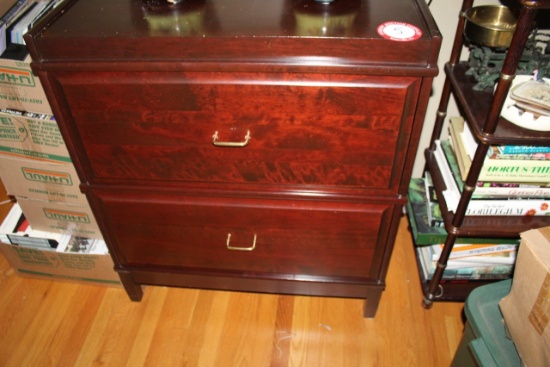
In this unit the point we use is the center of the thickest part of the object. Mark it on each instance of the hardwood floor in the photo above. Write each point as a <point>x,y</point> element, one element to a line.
<point>49,323</point>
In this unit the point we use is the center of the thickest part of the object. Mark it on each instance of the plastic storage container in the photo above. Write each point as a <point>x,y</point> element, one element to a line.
<point>484,342</point>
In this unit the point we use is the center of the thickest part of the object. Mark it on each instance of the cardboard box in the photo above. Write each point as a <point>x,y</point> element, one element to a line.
<point>19,88</point>
<point>40,180</point>
<point>27,135</point>
<point>526,309</point>
<point>41,262</point>
<point>81,268</point>
<point>57,217</point>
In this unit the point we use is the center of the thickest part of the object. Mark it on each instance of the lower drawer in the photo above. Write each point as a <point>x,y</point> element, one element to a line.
<point>253,236</point>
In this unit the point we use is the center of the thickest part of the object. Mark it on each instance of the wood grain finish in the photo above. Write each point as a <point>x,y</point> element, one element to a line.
<point>53,323</point>
<point>329,129</point>
<point>159,126</point>
<point>307,240</point>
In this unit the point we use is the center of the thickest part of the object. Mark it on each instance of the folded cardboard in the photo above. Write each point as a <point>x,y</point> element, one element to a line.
<point>58,217</point>
<point>526,309</point>
<point>19,88</point>
<point>29,135</point>
<point>35,179</point>
<point>42,261</point>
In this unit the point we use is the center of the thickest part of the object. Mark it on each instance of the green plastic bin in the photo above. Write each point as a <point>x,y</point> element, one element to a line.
<point>484,342</point>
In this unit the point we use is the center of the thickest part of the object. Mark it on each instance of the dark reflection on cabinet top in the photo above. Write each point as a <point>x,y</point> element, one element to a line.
<point>230,29</point>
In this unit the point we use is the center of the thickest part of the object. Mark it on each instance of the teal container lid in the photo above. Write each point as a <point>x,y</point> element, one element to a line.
<point>485,319</point>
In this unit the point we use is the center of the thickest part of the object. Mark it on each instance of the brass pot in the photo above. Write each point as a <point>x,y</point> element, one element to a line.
<point>490,25</point>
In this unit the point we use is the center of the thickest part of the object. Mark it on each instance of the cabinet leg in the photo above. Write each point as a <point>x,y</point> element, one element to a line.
<point>371,303</point>
<point>134,291</point>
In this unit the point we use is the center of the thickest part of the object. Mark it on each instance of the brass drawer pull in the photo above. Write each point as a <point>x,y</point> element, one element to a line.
<point>230,143</point>
<point>229,247</point>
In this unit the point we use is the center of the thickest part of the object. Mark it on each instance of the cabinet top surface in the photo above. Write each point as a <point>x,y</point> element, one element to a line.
<point>352,31</point>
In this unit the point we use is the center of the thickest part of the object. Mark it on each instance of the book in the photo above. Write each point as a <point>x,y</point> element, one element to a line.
<point>435,218</point>
<point>425,235</point>
<point>5,6</point>
<point>9,9</point>
<point>506,170</point>
<point>492,189</point>
<point>496,153</point>
<point>496,259</point>
<point>22,24</point>
<point>510,190</point>
<point>532,96</point>
<point>15,230</point>
<point>495,190</point>
<point>473,250</point>
<point>523,149</point>
<point>481,207</point>
<point>82,245</point>
<point>456,127</point>
<point>427,265</point>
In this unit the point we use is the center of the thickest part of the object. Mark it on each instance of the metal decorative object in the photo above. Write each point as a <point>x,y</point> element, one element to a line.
<point>490,25</point>
<point>485,63</point>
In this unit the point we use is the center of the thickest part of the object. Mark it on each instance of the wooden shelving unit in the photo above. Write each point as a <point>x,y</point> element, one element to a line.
<point>481,110</point>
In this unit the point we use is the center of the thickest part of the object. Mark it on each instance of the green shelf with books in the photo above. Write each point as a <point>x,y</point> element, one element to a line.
<point>425,233</point>
<point>428,235</point>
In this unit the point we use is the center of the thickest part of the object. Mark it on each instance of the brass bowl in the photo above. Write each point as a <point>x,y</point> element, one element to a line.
<point>490,25</point>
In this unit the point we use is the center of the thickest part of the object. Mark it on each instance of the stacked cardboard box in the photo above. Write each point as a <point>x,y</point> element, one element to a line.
<point>36,169</point>
<point>19,88</point>
<point>31,253</point>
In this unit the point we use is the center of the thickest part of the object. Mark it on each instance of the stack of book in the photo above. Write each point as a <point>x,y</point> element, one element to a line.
<point>514,181</point>
<point>471,258</point>
<point>18,16</point>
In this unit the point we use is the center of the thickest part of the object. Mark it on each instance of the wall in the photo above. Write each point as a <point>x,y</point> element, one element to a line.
<point>446,14</point>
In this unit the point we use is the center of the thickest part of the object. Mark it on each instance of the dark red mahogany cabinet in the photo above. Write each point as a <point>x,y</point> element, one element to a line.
<point>245,145</point>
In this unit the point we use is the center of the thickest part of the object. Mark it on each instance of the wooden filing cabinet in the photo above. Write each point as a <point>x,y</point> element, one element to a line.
<point>242,144</point>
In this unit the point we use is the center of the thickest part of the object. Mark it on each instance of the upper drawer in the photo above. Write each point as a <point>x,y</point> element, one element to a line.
<point>343,130</point>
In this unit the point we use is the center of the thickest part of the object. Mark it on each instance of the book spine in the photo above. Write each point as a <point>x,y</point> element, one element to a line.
<point>476,273</point>
<point>480,261</point>
<point>490,272</point>
<point>426,235</point>
<point>501,170</point>
<point>492,154</point>
<point>14,10</point>
<point>479,206</point>
<point>469,250</point>
<point>504,170</point>
<point>518,207</point>
<point>456,127</point>
<point>492,190</point>
<point>521,149</point>
<point>452,192</point>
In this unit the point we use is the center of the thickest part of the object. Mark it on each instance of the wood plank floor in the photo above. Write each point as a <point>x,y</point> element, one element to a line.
<point>48,323</point>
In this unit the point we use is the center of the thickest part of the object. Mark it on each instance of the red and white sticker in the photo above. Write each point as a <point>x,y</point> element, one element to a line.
<point>397,31</point>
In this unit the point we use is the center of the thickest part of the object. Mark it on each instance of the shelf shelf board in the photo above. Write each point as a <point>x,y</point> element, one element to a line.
<point>481,226</point>
<point>476,107</point>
